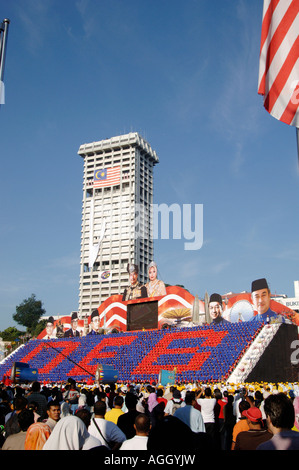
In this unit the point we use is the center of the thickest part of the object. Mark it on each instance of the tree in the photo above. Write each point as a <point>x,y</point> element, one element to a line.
<point>39,328</point>
<point>28,313</point>
<point>11,334</point>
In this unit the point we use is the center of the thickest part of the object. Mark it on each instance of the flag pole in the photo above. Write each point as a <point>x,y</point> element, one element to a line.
<point>3,43</point>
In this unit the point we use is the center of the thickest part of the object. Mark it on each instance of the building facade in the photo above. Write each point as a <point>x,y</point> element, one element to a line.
<point>117,219</point>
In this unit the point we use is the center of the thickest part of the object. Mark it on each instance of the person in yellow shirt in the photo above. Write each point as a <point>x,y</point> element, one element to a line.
<point>116,411</point>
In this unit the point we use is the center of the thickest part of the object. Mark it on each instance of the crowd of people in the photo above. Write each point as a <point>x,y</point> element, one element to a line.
<point>184,418</point>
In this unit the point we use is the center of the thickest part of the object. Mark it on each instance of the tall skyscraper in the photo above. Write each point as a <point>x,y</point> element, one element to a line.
<point>117,219</point>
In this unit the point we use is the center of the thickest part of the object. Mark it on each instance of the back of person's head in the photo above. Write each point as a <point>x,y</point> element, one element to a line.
<point>160,392</point>
<point>131,401</point>
<point>189,397</point>
<point>208,392</point>
<point>280,410</point>
<point>217,394</point>
<point>32,406</point>
<point>85,415</point>
<point>101,395</point>
<point>171,435</point>
<point>118,400</point>
<point>35,387</point>
<point>251,399</point>
<point>20,403</point>
<point>100,408</point>
<point>25,419</point>
<point>142,423</point>
<point>230,399</point>
<point>19,391</point>
<point>258,395</point>
<point>243,405</point>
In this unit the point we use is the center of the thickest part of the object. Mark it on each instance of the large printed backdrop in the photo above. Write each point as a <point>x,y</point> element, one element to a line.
<point>176,308</point>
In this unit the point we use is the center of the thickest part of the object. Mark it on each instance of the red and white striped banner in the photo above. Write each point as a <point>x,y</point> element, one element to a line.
<point>279,62</point>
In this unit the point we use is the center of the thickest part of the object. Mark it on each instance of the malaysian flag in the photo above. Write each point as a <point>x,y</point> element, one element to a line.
<point>106,177</point>
<point>279,64</point>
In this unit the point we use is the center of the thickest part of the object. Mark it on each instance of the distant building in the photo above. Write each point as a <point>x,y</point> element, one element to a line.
<point>117,219</point>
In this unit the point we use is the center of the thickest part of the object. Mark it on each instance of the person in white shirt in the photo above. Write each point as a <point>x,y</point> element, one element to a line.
<point>174,403</point>
<point>139,441</point>
<point>91,442</point>
<point>108,433</point>
<point>207,404</point>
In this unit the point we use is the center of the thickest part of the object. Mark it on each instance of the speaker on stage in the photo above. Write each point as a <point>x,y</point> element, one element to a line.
<point>22,373</point>
<point>106,374</point>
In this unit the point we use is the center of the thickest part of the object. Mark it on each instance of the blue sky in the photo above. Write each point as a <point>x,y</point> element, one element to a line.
<point>184,75</point>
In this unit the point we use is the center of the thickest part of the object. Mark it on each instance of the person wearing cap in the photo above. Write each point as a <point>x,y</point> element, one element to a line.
<point>257,433</point>
<point>95,323</point>
<point>216,309</point>
<point>135,290</point>
<point>261,298</point>
<point>154,286</point>
<point>73,332</point>
<point>50,329</point>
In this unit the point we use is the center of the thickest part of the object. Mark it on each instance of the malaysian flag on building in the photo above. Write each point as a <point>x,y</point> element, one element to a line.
<point>106,177</point>
<point>279,64</point>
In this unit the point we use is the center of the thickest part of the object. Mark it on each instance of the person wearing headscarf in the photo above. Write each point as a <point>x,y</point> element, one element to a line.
<point>155,409</point>
<point>36,436</point>
<point>152,401</point>
<point>70,433</point>
<point>135,290</point>
<point>154,286</point>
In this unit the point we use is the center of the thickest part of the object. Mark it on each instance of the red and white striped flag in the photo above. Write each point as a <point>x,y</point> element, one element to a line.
<point>279,60</point>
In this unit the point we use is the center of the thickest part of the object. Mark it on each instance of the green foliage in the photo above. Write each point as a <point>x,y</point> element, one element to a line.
<point>28,313</point>
<point>11,334</point>
<point>39,328</point>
